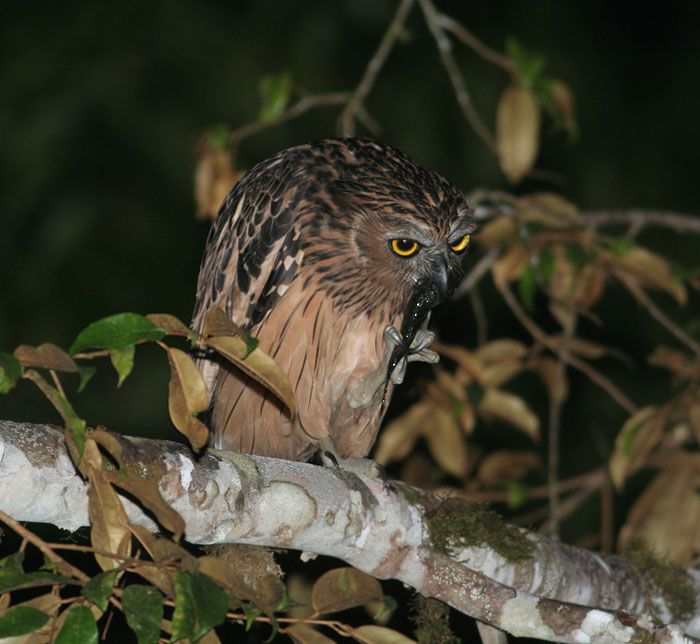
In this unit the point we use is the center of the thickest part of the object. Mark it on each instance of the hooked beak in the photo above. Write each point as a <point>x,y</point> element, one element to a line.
<point>442,281</point>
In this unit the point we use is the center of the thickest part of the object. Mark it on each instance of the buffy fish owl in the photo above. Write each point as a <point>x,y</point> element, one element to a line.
<point>331,254</point>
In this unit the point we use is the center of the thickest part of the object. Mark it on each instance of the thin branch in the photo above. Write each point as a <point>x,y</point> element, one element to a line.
<point>676,221</point>
<point>354,103</point>
<point>42,546</point>
<point>444,46</point>
<point>477,272</point>
<point>655,312</point>
<point>471,41</point>
<point>300,107</point>
<point>582,366</point>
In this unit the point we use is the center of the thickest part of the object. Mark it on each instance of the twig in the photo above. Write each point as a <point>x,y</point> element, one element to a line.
<point>482,321</point>
<point>42,546</point>
<point>470,40</point>
<point>476,273</point>
<point>582,366</point>
<point>302,105</point>
<point>354,103</point>
<point>676,221</point>
<point>556,402</point>
<point>444,46</point>
<point>655,312</point>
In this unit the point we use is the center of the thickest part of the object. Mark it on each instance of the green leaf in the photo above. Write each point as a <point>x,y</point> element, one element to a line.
<point>79,627</point>
<point>184,613</point>
<point>388,604</point>
<point>275,90</point>
<point>621,246</point>
<point>218,137</point>
<point>21,620</point>
<point>86,374</point>
<point>12,562</point>
<point>211,603</point>
<point>528,64</point>
<point>99,589</point>
<point>579,258</point>
<point>10,372</point>
<point>526,288</point>
<point>13,579</point>
<point>122,361</point>
<point>143,607</point>
<point>116,332</point>
<point>544,266</point>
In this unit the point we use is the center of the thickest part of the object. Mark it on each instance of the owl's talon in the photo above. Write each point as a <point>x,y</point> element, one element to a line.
<point>357,465</point>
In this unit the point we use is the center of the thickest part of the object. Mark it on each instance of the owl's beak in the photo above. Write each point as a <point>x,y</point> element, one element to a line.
<point>442,282</point>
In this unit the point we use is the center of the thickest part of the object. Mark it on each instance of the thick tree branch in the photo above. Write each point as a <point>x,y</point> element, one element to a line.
<point>558,593</point>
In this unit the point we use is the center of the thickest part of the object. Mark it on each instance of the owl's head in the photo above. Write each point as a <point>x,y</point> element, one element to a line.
<point>397,230</point>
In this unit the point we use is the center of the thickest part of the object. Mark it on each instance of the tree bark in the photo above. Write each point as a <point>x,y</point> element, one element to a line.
<point>558,593</point>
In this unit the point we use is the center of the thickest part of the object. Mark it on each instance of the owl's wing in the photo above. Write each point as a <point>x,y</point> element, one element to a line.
<point>253,251</point>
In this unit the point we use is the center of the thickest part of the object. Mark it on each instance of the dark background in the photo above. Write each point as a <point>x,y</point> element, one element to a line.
<point>101,106</point>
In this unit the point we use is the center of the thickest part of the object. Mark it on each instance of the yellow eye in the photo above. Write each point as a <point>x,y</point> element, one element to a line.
<point>463,243</point>
<point>404,247</point>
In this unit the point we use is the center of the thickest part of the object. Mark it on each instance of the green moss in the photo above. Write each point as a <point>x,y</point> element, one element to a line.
<point>456,523</point>
<point>432,622</point>
<point>669,580</point>
<point>642,637</point>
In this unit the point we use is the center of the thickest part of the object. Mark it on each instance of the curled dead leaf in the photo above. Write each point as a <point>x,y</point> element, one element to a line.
<point>214,176</point>
<point>517,131</point>
<point>507,464</point>
<point>45,356</point>
<point>343,588</point>
<point>647,269</point>
<point>636,439</point>
<point>187,395</point>
<point>256,364</point>
<point>511,409</point>
<point>665,516</point>
<point>511,264</point>
<point>548,208</point>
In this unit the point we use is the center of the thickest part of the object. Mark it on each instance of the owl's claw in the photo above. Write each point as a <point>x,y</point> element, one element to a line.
<point>366,466</point>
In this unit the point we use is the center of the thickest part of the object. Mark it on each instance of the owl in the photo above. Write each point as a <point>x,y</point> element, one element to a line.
<point>332,255</point>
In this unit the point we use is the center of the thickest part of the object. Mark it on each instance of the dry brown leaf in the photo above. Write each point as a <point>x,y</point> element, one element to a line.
<point>397,439</point>
<point>666,515</point>
<point>372,634</point>
<point>556,384</point>
<point>109,530</point>
<point>517,131</point>
<point>214,177</point>
<point>511,264</point>
<point>343,588</point>
<point>181,394</point>
<point>498,350</point>
<point>562,98</point>
<point>305,634</point>
<point>548,208</point>
<point>170,324</point>
<point>217,322</point>
<point>507,464</point>
<point>144,489</point>
<point>677,362</point>
<point>498,230</point>
<point>648,269</point>
<point>638,437</point>
<point>512,409</point>
<point>501,372</point>
<point>590,285</point>
<point>466,360</point>
<point>446,442</point>
<point>45,356</point>
<point>256,364</point>
<point>578,346</point>
<point>191,380</point>
<point>694,418</point>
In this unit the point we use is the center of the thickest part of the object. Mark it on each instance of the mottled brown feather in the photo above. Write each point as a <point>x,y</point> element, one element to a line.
<point>299,255</point>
